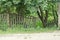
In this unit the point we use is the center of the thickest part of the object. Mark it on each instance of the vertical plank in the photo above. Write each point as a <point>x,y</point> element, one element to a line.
<point>58,15</point>
<point>8,19</point>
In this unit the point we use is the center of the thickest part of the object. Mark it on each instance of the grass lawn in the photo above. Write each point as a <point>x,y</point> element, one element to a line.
<point>27,30</point>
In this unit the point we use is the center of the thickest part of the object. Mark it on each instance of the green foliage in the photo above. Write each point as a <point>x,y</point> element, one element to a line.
<point>3,25</point>
<point>16,1</point>
<point>26,7</point>
<point>29,3</point>
<point>39,24</point>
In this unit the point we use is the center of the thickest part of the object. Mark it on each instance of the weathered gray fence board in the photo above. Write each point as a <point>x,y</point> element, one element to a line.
<point>15,19</point>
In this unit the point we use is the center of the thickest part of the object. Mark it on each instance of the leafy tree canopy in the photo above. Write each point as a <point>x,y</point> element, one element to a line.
<point>30,5</point>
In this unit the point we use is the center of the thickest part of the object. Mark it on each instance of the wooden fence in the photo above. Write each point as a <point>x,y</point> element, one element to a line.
<point>14,20</point>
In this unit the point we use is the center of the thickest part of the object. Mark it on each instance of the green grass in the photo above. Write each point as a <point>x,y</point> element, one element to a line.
<point>27,30</point>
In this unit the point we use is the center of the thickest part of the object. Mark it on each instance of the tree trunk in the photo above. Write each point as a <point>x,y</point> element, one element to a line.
<point>42,17</point>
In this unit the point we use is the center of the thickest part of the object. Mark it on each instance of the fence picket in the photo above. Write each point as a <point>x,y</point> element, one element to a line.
<point>15,19</point>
